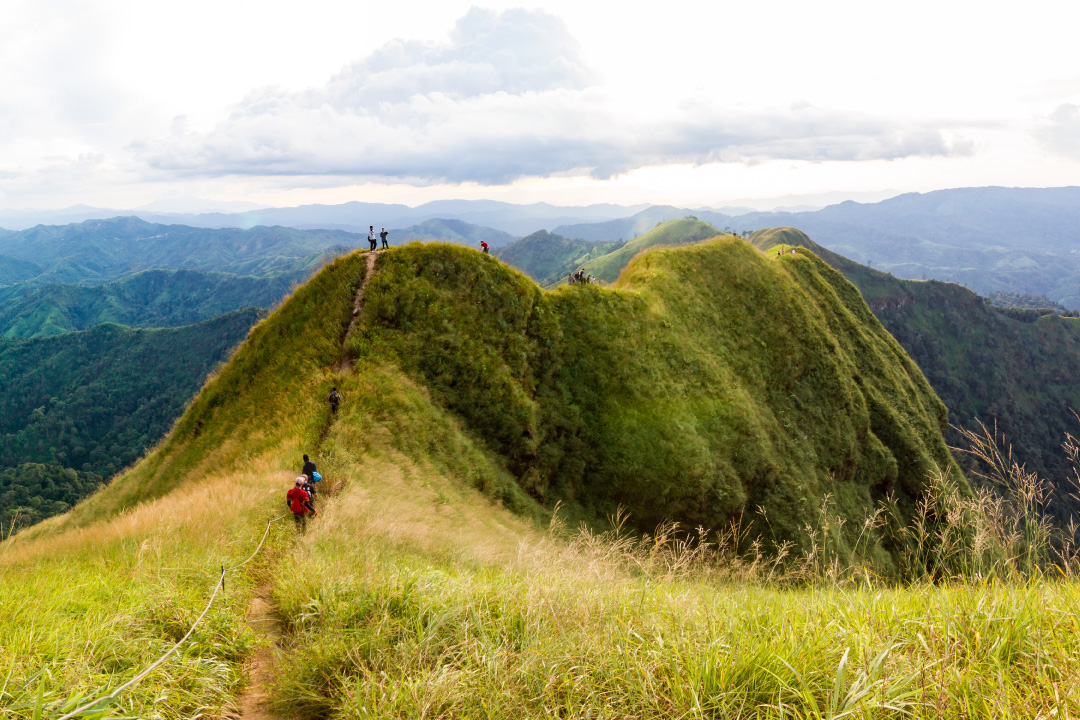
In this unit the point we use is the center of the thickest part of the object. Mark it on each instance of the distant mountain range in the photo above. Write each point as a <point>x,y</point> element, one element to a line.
<point>988,239</point>
<point>510,218</point>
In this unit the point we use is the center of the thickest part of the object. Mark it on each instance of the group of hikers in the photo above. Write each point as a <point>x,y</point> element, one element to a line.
<point>301,496</point>
<point>580,278</point>
<point>784,252</point>
<point>373,242</point>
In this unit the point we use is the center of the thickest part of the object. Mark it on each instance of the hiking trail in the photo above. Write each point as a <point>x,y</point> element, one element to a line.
<point>358,305</point>
<point>254,703</point>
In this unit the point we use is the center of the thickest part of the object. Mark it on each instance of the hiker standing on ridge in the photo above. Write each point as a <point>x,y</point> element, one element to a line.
<point>383,235</point>
<point>300,503</point>
<point>371,239</point>
<point>334,399</point>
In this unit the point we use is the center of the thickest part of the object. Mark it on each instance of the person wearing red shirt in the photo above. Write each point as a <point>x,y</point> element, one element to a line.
<point>299,502</point>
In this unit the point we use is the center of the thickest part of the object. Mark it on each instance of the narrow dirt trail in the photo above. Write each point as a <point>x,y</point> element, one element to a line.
<point>254,704</point>
<point>358,305</point>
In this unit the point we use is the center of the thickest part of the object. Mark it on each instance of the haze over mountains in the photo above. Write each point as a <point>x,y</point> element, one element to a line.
<point>988,239</point>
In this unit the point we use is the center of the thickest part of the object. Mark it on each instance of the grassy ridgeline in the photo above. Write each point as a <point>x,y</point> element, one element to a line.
<point>1018,377</point>
<point>712,380</point>
<point>674,232</point>
<point>414,594</point>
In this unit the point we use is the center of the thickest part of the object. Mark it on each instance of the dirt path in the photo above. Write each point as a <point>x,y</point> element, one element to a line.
<point>261,616</point>
<point>358,305</point>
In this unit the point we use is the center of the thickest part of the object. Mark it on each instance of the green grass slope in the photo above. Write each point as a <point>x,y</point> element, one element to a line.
<point>153,298</point>
<point>547,258</point>
<point>711,381</point>
<point>673,232</point>
<point>1022,375</point>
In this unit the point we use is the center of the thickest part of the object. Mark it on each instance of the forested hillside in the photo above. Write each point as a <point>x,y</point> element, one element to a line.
<point>94,401</point>
<point>98,251</point>
<point>152,298</point>
<point>548,258</point>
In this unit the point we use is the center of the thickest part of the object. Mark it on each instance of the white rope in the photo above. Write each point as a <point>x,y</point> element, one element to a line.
<point>220,584</point>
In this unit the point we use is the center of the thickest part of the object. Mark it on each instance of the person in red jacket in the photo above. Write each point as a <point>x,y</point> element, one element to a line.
<point>300,503</point>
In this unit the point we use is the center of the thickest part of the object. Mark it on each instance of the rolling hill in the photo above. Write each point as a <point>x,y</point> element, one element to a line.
<point>92,402</point>
<point>548,258</point>
<point>99,251</point>
<point>681,231</point>
<point>151,298</point>
<point>584,396</point>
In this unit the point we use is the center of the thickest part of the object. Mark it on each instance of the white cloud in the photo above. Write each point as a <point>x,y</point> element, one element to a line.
<point>1060,134</point>
<point>509,95</point>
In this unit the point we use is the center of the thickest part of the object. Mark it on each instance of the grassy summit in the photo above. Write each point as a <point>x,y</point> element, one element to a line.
<point>712,380</point>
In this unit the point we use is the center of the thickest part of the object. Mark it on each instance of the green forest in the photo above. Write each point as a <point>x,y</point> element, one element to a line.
<point>152,298</point>
<point>92,402</point>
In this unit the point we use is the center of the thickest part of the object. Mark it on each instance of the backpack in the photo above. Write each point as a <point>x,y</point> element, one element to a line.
<point>316,477</point>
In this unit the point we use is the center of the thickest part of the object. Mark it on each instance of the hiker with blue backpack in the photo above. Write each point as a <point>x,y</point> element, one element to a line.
<point>312,476</point>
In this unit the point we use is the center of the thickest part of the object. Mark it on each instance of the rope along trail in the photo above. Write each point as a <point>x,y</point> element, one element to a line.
<point>213,596</point>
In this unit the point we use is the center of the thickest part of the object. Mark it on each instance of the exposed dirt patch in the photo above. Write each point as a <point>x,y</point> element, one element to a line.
<point>358,305</point>
<point>254,704</point>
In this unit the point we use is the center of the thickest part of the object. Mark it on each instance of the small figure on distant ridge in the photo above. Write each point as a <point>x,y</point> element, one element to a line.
<point>371,239</point>
<point>484,247</point>
<point>334,399</point>
<point>383,235</point>
<point>300,503</point>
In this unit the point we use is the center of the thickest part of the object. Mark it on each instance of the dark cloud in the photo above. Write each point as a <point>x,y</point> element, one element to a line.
<point>508,96</point>
<point>1060,134</point>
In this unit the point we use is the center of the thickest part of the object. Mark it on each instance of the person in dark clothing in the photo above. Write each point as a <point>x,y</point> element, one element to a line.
<point>299,503</point>
<point>309,469</point>
<point>383,235</point>
<point>371,238</point>
<point>335,400</point>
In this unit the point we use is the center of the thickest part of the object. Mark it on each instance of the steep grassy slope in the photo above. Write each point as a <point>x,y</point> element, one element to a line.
<point>1022,376</point>
<point>548,258</point>
<point>673,232</point>
<point>153,298</point>
<point>710,382</point>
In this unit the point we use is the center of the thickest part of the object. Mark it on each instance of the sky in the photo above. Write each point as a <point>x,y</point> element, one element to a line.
<point>127,103</point>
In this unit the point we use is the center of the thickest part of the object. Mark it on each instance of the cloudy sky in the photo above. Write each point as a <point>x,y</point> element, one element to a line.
<point>121,103</point>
